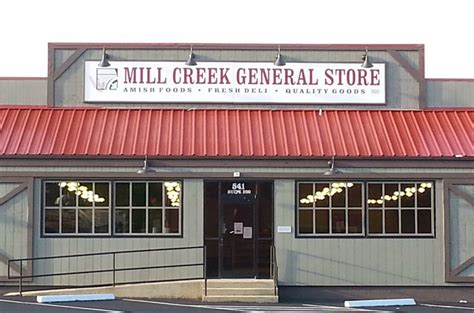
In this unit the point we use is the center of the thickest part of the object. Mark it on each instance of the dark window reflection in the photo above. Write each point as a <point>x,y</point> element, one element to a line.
<point>211,210</point>
<point>101,221</point>
<point>155,224</point>
<point>408,221</point>
<point>305,219</point>
<point>171,221</point>
<point>305,195</point>
<point>102,192</point>
<point>85,221</point>
<point>375,195</point>
<point>339,195</point>
<point>391,196</point>
<point>391,222</point>
<point>355,221</point>
<point>51,221</point>
<point>322,194</point>
<point>122,194</point>
<point>138,194</point>
<point>85,192</point>
<point>265,209</point>
<point>375,221</point>
<point>155,194</point>
<point>423,195</point>
<point>338,221</point>
<point>407,195</point>
<point>424,221</point>
<point>122,221</point>
<point>354,193</point>
<point>322,221</point>
<point>138,221</point>
<point>52,194</point>
<point>68,221</point>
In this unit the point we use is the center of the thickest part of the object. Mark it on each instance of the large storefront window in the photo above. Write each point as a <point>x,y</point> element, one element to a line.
<point>147,208</point>
<point>76,208</point>
<point>400,208</point>
<point>330,208</point>
<point>73,208</point>
<point>344,208</point>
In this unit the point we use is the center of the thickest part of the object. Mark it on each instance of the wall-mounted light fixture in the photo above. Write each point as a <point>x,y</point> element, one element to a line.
<point>191,58</point>
<point>104,62</point>
<point>279,59</point>
<point>365,58</point>
<point>146,169</point>
<point>332,168</point>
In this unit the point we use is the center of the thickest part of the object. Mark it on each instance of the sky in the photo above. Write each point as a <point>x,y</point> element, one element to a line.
<point>444,27</point>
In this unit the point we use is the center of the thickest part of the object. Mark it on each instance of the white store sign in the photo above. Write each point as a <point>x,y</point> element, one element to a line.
<point>234,82</point>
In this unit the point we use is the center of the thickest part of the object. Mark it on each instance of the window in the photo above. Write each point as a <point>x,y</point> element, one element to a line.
<point>400,208</point>
<point>344,208</point>
<point>76,208</point>
<point>147,208</point>
<point>330,208</point>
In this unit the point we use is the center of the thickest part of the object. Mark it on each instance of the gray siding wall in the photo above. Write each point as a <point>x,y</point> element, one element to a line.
<point>461,227</point>
<point>450,94</point>
<point>308,261</point>
<point>192,236</point>
<point>402,89</point>
<point>23,91</point>
<point>13,227</point>
<point>364,261</point>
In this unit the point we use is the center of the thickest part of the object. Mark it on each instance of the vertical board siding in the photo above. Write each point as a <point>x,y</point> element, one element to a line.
<point>192,236</point>
<point>402,90</point>
<point>461,221</point>
<point>450,94</point>
<point>13,228</point>
<point>354,261</point>
<point>23,92</point>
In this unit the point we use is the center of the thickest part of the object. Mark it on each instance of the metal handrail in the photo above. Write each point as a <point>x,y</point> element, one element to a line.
<point>114,268</point>
<point>274,269</point>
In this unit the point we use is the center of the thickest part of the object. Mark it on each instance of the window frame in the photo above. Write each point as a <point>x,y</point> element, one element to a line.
<point>111,210</point>
<point>163,207</point>
<point>75,234</point>
<point>400,209</point>
<point>346,209</point>
<point>365,211</point>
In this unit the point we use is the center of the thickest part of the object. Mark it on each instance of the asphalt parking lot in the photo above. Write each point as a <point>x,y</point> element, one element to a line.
<point>29,304</point>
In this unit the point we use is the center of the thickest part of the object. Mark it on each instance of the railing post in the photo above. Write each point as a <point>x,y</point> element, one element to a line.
<point>271,261</point>
<point>205,270</point>
<point>20,287</point>
<point>113,269</point>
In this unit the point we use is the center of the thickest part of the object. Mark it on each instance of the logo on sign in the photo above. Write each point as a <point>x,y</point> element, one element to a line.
<point>107,79</point>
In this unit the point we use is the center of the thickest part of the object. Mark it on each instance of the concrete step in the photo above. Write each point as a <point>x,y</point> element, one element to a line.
<point>240,283</point>
<point>240,291</point>
<point>248,299</point>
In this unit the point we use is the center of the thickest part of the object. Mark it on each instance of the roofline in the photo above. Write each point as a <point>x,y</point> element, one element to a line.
<point>212,46</point>
<point>22,78</point>
<point>69,108</point>
<point>471,80</point>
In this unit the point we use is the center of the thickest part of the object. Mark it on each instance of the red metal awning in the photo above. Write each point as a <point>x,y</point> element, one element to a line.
<point>41,131</point>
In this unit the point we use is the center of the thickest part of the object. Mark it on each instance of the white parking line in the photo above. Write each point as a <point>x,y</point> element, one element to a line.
<point>447,306</point>
<point>182,305</point>
<point>58,306</point>
<point>255,308</point>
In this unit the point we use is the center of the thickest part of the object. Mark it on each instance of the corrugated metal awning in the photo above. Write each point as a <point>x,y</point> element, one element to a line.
<point>41,131</point>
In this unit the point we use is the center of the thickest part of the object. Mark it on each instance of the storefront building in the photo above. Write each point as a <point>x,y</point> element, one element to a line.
<point>356,175</point>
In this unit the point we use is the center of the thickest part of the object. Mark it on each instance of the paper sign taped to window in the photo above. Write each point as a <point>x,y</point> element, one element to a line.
<point>238,228</point>
<point>247,232</point>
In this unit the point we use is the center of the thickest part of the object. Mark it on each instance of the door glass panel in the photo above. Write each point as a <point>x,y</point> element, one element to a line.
<point>238,240</point>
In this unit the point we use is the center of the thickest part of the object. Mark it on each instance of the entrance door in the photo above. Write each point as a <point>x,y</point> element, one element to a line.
<point>238,240</point>
<point>238,223</point>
